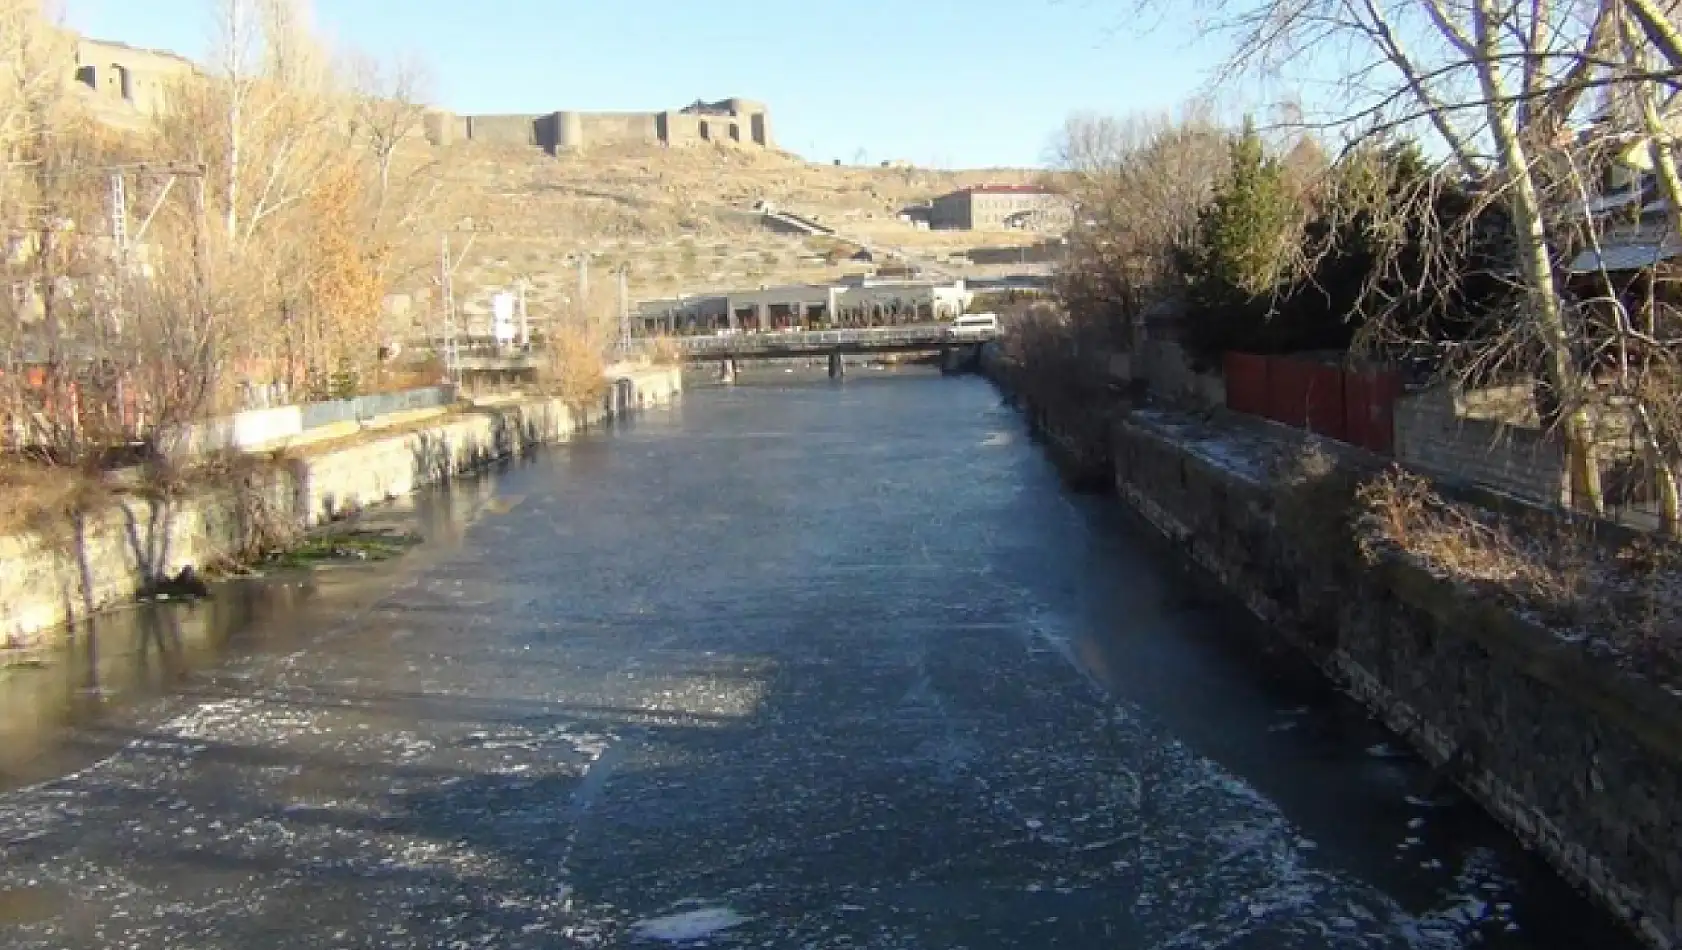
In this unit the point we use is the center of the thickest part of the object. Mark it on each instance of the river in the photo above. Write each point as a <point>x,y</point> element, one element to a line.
<point>798,663</point>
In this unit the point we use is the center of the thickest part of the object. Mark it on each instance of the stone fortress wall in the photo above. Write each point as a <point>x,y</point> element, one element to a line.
<point>127,82</point>
<point>116,75</point>
<point>733,121</point>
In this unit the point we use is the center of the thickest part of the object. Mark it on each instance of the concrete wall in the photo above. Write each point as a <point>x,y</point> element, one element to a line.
<point>138,78</point>
<point>1583,761</point>
<point>1436,433</point>
<point>574,131</point>
<point>602,128</point>
<point>1166,369</point>
<point>443,128</point>
<point>993,210</point>
<point>503,129</point>
<point>111,554</point>
<point>951,212</point>
<point>238,432</point>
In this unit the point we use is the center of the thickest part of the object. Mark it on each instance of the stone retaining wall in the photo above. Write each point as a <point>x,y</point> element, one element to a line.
<point>107,556</point>
<point>1580,759</point>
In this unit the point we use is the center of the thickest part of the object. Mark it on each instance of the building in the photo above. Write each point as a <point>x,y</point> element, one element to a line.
<point>854,302</point>
<point>120,78</point>
<point>1001,207</point>
<point>738,122</point>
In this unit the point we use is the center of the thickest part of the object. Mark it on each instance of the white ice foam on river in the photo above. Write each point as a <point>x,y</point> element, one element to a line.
<point>688,926</point>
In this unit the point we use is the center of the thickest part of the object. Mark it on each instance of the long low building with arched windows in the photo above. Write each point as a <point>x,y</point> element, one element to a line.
<point>853,302</point>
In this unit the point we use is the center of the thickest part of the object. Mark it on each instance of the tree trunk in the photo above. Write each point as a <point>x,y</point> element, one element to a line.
<point>1524,203</point>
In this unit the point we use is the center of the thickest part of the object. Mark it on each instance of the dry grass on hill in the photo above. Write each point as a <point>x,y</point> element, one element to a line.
<point>680,220</point>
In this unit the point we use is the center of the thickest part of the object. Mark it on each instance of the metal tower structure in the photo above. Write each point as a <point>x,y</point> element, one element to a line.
<point>446,292</point>
<point>119,218</point>
<point>624,312</point>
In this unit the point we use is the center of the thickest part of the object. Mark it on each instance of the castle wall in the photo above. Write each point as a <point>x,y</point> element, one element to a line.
<point>604,128</point>
<point>680,129</point>
<point>568,131</point>
<point>683,128</point>
<point>503,129</point>
<point>442,128</point>
<point>139,77</point>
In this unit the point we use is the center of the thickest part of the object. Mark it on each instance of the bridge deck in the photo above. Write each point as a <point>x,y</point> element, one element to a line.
<point>818,342</point>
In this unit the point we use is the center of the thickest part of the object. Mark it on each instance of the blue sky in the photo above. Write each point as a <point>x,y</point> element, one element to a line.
<point>957,83</point>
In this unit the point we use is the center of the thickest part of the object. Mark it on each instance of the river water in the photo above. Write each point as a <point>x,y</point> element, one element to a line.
<point>795,664</point>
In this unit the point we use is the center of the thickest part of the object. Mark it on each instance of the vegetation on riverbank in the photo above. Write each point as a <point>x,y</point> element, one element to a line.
<point>336,544</point>
<point>1624,593</point>
<point>1458,229</point>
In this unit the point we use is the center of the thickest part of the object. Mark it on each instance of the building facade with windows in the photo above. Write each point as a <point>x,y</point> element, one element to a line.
<point>1001,208</point>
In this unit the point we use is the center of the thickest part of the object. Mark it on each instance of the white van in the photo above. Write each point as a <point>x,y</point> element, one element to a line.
<point>974,326</point>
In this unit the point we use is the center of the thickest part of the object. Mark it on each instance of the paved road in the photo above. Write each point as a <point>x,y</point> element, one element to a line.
<point>793,666</point>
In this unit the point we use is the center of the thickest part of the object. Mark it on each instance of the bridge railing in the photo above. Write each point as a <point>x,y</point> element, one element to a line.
<point>810,340</point>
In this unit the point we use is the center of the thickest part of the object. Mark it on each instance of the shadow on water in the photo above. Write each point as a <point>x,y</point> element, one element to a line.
<point>122,658</point>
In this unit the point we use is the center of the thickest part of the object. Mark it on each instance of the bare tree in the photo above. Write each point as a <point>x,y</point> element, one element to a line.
<point>302,152</point>
<point>1498,86</point>
<point>390,108</point>
<point>1138,184</point>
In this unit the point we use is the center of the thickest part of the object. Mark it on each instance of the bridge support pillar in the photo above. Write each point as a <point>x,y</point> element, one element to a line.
<point>727,370</point>
<point>958,357</point>
<point>837,366</point>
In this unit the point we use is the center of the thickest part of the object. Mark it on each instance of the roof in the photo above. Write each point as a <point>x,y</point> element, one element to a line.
<point>164,54</point>
<point>1625,257</point>
<point>1009,189</point>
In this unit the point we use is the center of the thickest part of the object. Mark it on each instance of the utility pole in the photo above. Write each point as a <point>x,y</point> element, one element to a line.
<point>119,247</point>
<point>525,321</point>
<point>119,217</point>
<point>446,292</point>
<point>624,311</point>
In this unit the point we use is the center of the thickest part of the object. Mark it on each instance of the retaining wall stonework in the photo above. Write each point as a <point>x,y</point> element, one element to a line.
<point>108,555</point>
<point>1581,759</point>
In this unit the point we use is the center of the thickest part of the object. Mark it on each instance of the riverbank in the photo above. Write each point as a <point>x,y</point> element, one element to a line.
<point>1580,757</point>
<point>104,557</point>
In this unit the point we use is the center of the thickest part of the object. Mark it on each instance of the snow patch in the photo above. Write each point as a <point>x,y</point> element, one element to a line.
<point>689,925</point>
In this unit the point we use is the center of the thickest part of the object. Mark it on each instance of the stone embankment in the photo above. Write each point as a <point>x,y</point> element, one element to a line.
<point>106,556</point>
<point>1580,757</point>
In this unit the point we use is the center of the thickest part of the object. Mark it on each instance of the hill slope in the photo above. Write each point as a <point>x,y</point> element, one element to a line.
<point>680,220</point>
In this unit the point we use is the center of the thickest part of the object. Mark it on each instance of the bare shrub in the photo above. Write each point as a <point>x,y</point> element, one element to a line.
<point>1554,570</point>
<point>1314,497</point>
<point>664,351</point>
<point>1139,183</point>
<point>47,499</point>
<point>1043,354</point>
<point>575,372</point>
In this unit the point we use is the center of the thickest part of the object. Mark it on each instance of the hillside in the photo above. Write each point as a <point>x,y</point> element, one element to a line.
<point>681,220</point>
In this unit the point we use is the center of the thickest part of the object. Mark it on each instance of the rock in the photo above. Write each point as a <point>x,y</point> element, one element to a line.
<point>185,585</point>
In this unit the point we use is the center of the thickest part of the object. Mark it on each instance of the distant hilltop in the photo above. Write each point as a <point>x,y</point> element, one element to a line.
<point>125,82</point>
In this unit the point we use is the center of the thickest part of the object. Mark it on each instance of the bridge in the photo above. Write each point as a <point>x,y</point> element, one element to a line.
<point>833,344</point>
<point>793,343</point>
<point>481,357</point>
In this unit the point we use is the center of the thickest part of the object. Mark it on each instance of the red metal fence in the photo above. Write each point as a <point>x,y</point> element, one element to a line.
<point>1351,405</point>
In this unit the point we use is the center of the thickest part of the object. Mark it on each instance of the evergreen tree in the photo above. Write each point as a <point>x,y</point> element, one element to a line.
<point>1244,231</point>
<point>1242,238</point>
